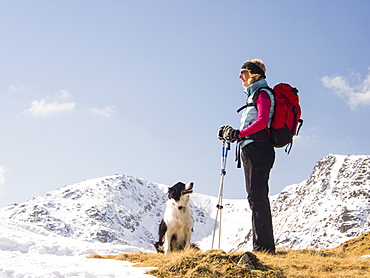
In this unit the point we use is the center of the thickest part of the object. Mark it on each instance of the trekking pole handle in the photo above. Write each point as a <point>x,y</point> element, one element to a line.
<point>225,150</point>
<point>224,156</point>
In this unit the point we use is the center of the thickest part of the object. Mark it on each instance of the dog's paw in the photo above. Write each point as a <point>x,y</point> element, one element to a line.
<point>159,246</point>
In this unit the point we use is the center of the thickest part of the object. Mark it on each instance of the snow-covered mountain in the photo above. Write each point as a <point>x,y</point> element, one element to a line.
<point>329,208</point>
<point>115,209</point>
<point>332,206</point>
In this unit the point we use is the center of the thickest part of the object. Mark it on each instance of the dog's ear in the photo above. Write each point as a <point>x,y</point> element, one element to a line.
<point>170,192</point>
<point>174,187</point>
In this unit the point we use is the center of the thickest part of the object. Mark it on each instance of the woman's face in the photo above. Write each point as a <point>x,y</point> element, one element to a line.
<point>244,77</point>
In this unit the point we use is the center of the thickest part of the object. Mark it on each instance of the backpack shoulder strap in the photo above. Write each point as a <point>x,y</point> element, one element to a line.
<point>245,106</point>
<point>255,96</point>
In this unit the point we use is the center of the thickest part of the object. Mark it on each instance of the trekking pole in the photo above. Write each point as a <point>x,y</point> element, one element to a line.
<point>219,206</point>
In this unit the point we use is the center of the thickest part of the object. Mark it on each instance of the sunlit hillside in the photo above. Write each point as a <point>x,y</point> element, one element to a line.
<point>344,261</point>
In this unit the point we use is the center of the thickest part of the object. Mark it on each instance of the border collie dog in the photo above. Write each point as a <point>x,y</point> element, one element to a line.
<point>177,224</point>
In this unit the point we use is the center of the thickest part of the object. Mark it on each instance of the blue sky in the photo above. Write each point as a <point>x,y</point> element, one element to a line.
<point>95,88</point>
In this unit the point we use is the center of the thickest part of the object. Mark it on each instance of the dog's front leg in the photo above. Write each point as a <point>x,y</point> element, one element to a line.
<point>187,239</point>
<point>167,243</point>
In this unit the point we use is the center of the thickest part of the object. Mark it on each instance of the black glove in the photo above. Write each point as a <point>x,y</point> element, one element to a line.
<point>220,133</point>
<point>230,134</point>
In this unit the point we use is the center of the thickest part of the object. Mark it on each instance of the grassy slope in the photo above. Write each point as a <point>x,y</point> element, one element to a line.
<point>357,246</point>
<point>340,262</point>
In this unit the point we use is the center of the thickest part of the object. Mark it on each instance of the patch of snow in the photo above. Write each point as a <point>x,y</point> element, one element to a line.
<point>24,253</point>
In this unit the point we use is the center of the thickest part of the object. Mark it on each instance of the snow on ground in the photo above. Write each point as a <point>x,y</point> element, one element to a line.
<point>36,253</point>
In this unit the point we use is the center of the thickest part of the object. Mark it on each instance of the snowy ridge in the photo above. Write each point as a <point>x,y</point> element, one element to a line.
<point>329,208</point>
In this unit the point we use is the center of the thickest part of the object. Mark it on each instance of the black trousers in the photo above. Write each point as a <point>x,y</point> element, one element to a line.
<point>258,159</point>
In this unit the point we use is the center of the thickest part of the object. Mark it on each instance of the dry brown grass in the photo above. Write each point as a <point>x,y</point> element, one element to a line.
<point>357,246</point>
<point>318,264</point>
<point>288,264</point>
<point>197,264</point>
<point>344,261</point>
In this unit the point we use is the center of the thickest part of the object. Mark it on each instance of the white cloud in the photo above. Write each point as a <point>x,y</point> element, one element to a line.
<point>63,94</point>
<point>355,95</point>
<point>305,138</point>
<point>41,108</point>
<point>16,88</point>
<point>105,112</point>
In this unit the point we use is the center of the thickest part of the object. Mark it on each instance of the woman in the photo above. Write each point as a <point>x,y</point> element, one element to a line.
<point>258,153</point>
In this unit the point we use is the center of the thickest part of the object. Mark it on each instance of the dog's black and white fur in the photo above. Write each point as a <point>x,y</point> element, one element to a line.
<point>177,224</point>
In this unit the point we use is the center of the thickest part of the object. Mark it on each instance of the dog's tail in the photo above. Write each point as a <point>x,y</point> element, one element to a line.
<point>159,246</point>
<point>194,246</point>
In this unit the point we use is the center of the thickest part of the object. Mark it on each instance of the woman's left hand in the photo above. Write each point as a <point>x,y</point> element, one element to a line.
<point>230,134</point>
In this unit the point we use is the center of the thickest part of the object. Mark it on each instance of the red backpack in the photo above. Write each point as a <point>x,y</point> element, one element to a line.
<point>286,121</point>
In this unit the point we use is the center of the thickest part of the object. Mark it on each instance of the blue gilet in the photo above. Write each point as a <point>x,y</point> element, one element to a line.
<point>249,114</point>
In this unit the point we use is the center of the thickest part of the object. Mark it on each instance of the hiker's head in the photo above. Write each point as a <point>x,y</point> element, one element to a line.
<point>252,71</point>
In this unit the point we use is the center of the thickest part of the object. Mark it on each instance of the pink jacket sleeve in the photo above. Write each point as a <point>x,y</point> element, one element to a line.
<point>263,108</point>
